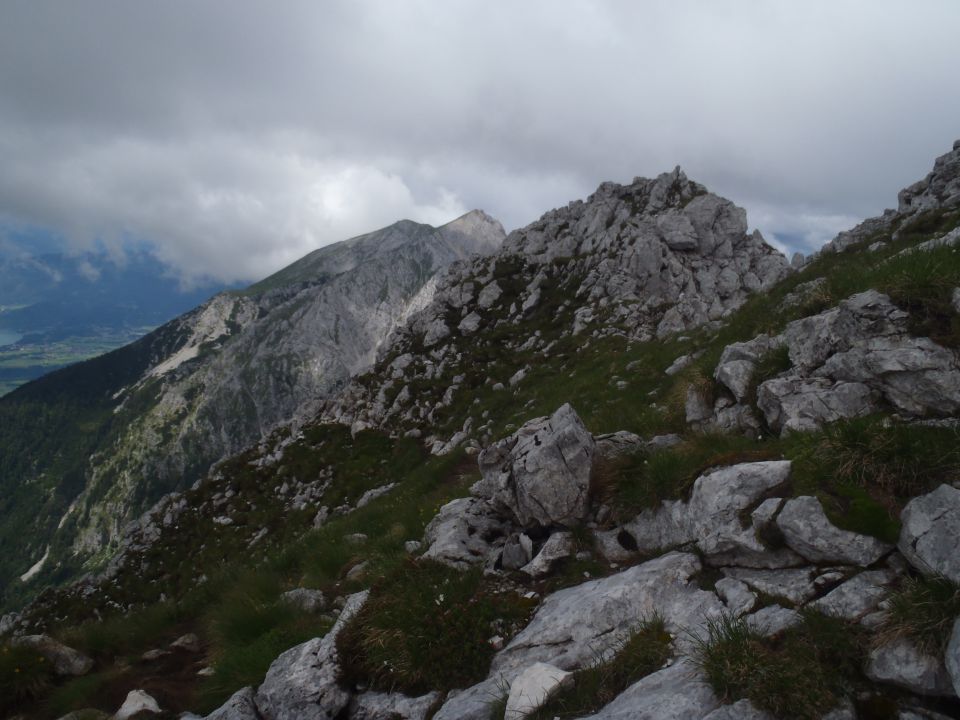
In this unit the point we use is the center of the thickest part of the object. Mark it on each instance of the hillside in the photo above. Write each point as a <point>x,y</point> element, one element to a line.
<point>630,465</point>
<point>86,450</point>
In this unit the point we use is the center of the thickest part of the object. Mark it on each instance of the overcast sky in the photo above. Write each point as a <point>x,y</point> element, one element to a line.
<point>233,137</point>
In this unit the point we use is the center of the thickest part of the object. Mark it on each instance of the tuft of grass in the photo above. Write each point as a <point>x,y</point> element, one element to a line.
<point>643,652</point>
<point>800,675</point>
<point>634,482</point>
<point>24,676</point>
<point>922,610</point>
<point>389,646</point>
<point>127,634</point>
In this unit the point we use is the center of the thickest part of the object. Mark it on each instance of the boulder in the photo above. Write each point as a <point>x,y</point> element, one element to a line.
<point>576,626</point>
<point>900,663</point>
<point>533,687</point>
<point>736,595</point>
<point>678,692</point>
<point>474,703</point>
<point>464,533</point>
<point>807,531</point>
<point>797,404</point>
<point>189,642</point>
<point>773,620</point>
<point>137,701</point>
<point>240,706</point>
<point>795,586</point>
<point>558,546</point>
<point>540,475</point>
<point>302,682</point>
<point>391,706</point>
<point>740,710</point>
<point>712,516</point>
<point>930,533</point>
<point>65,660</point>
<point>858,596</point>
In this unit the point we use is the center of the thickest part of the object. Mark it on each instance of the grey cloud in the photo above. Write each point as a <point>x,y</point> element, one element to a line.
<point>236,137</point>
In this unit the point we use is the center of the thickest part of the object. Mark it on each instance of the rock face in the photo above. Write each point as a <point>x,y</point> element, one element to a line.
<point>391,706</point>
<point>675,693</point>
<point>952,657</point>
<point>65,660</point>
<point>930,534</point>
<point>240,706</point>
<point>541,474</point>
<point>901,664</point>
<point>533,688</point>
<point>136,703</point>
<point>302,682</point>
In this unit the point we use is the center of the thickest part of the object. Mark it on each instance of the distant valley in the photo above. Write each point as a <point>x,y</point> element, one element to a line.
<point>59,309</point>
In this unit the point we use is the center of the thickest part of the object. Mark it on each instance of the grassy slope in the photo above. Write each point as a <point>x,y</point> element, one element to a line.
<point>582,371</point>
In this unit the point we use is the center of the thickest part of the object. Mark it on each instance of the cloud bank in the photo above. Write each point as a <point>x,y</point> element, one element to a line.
<point>236,137</point>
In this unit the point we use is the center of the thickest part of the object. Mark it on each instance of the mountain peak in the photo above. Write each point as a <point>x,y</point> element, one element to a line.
<point>482,232</point>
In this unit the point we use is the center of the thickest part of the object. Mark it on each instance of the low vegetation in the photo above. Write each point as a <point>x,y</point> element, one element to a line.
<point>428,627</point>
<point>800,674</point>
<point>923,610</point>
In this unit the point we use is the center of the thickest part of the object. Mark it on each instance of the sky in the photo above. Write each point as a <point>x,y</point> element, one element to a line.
<point>233,137</point>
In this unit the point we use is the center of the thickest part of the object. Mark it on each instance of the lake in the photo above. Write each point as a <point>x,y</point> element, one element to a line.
<point>8,337</point>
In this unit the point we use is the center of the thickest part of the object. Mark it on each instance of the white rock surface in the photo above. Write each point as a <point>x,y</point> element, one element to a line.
<point>240,706</point>
<point>900,663</point>
<point>533,687</point>
<point>857,597</point>
<point>391,706</point>
<point>540,475</point>
<point>302,682</point>
<point>807,530</point>
<point>678,692</point>
<point>137,701</point>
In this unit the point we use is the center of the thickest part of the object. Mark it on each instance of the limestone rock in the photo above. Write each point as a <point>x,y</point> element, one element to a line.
<point>540,475</point>
<point>189,642</point>
<point>930,534</point>
<point>533,687</point>
<point>796,586</point>
<point>558,546</point>
<point>736,596</point>
<point>901,664</point>
<point>678,692</point>
<point>464,533</point>
<point>801,404</point>
<point>65,660</point>
<point>391,706</point>
<point>302,682</point>
<point>773,620</point>
<point>807,531</point>
<point>740,710</point>
<point>858,596</point>
<point>137,701</point>
<point>240,706</point>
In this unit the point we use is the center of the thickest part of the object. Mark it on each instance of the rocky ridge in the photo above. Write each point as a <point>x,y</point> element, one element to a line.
<point>742,541</point>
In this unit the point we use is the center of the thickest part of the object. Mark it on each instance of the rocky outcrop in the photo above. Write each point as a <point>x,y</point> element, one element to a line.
<point>303,681</point>
<point>900,663</point>
<point>540,475</point>
<point>647,259</point>
<point>674,693</point>
<point>807,531</point>
<point>533,688</point>
<point>846,362</point>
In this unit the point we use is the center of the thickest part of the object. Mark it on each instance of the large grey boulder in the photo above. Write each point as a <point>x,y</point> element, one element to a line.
<point>679,692</point>
<point>712,517</point>
<point>900,663</point>
<point>793,585</point>
<point>465,532</point>
<point>65,660</point>
<point>474,703</point>
<point>952,657</point>
<point>137,702</point>
<point>738,363</point>
<point>302,683</point>
<point>797,404</point>
<point>930,533</point>
<point>558,546</point>
<point>240,706</point>
<point>807,530</point>
<point>540,475</point>
<point>391,706</point>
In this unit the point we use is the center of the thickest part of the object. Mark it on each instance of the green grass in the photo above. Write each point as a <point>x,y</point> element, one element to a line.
<point>800,675</point>
<point>924,611</point>
<point>643,652</point>
<point>427,627</point>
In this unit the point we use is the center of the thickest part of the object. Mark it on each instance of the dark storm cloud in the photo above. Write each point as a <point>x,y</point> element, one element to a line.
<point>236,137</point>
